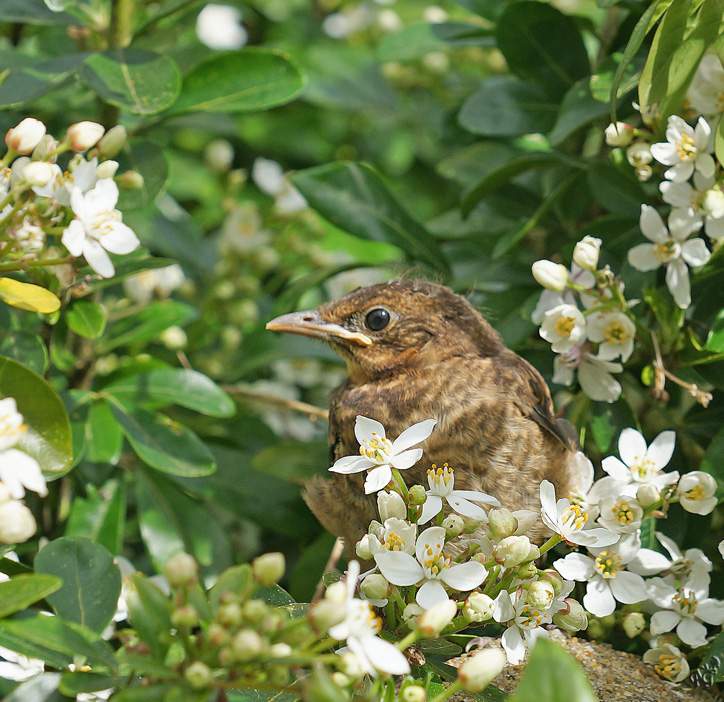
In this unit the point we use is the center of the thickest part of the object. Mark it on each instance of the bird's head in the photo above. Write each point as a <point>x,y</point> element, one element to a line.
<point>388,327</point>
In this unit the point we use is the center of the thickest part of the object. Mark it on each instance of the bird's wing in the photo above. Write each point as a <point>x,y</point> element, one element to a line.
<point>534,401</point>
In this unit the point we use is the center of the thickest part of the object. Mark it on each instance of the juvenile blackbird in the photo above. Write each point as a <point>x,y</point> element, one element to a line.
<point>415,350</point>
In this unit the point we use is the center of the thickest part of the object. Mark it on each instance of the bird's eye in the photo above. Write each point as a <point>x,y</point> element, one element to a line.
<point>377,319</point>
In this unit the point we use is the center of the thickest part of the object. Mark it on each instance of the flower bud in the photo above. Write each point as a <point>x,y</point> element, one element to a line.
<point>501,523</point>
<point>639,154</point>
<point>219,155</point>
<point>25,136</point>
<point>554,578</point>
<point>16,170</point>
<point>336,592</point>
<point>320,687</point>
<point>411,613</point>
<point>633,624</point>
<point>107,169</point>
<point>471,525</point>
<point>131,180</point>
<point>453,524</point>
<point>17,523</point>
<point>648,494</point>
<point>254,611</point>
<point>362,548</point>
<point>325,614</point>
<point>83,135</point>
<point>413,693</point>
<point>587,252</point>
<point>552,276</point>
<point>512,551</point>
<point>390,504</point>
<point>540,594</point>
<point>349,665</point>
<point>280,650</point>
<point>246,645</point>
<point>112,142</point>
<point>714,203</point>
<point>198,675</point>
<point>526,519</point>
<point>217,635</point>
<point>185,616</point>
<point>619,134</point>
<point>181,569</point>
<point>45,146</point>
<point>533,552</point>
<point>526,571</point>
<point>229,614</point>
<point>340,679</point>
<point>38,173</point>
<point>573,618</point>
<point>480,670</point>
<point>174,337</point>
<point>417,495</point>
<point>478,607</point>
<point>432,621</point>
<point>375,587</point>
<point>268,568</point>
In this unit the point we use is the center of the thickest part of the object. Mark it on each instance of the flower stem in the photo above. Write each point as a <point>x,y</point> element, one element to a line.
<point>12,266</point>
<point>400,485</point>
<point>548,545</point>
<point>448,692</point>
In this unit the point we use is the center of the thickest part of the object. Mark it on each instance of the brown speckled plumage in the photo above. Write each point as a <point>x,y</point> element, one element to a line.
<point>437,358</point>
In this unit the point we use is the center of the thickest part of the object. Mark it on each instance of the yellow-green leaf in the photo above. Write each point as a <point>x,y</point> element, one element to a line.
<point>27,296</point>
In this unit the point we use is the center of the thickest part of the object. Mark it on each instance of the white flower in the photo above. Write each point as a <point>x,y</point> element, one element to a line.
<point>639,156</point>
<point>587,252</point>
<point>552,276</point>
<point>549,298</point>
<point>17,470</point>
<point>696,492</point>
<point>619,134</point>
<point>564,327</point>
<point>391,504</point>
<point>693,565</point>
<point>29,235</point>
<point>605,573</point>
<point>668,661</point>
<point>594,375</point>
<point>569,520</point>
<point>615,332</point>
<point>584,474</point>
<point>478,672</point>
<point>17,667</point>
<point>442,482</point>
<point>431,567</point>
<point>242,230</point>
<point>670,248</point>
<point>17,523</point>
<point>83,135</point>
<point>360,627</point>
<point>703,201</point>
<point>269,178</point>
<point>25,136</point>
<point>97,228</point>
<point>220,27</point>
<point>380,455</point>
<point>395,535</point>
<point>684,608</point>
<point>38,173</point>
<point>142,286</point>
<point>706,92</point>
<point>641,464</point>
<point>621,514</point>
<point>685,149</point>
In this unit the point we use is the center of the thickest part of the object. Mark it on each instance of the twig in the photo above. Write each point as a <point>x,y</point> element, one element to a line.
<point>334,556</point>
<point>661,374</point>
<point>296,405</point>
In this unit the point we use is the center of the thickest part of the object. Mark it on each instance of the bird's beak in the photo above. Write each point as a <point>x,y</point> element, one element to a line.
<point>310,323</point>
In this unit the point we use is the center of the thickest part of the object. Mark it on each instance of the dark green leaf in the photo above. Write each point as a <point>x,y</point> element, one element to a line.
<point>715,339</point>
<point>439,647</point>
<point>23,590</point>
<point>617,191</point>
<point>353,197</point>
<point>237,579</point>
<point>101,516</point>
<point>48,439</point>
<point>73,683</point>
<point>25,347</point>
<point>175,386</point>
<point>150,615</point>
<point>293,461</point>
<point>240,81</point>
<point>104,438</point>
<point>91,580</point>
<point>417,40</point>
<point>150,161</point>
<point>713,461</point>
<point>577,109</point>
<point>86,318</point>
<point>32,12</point>
<point>274,596</point>
<point>23,85</point>
<point>150,693</point>
<point>141,82</point>
<point>163,443</point>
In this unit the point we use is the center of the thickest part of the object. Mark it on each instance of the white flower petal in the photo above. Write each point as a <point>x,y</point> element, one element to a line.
<point>119,239</point>
<point>695,252</point>
<point>476,496</point>
<point>643,257</point>
<point>430,508</point>
<point>351,464</point>
<point>364,428</point>
<point>432,539</point>
<point>26,470</point>
<point>651,224</point>
<point>465,576</point>
<point>384,656</point>
<point>430,594</point>
<point>377,479</point>
<point>97,258</point>
<point>662,449</point>
<point>74,237</point>
<point>680,172</point>
<point>664,620</point>
<point>399,568</point>
<point>628,587</point>
<point>705,165</point>
<point>691,632</point>
<point>677,280</point>
<point>575,566</point>
<point>631,446</point>
<point>467,509</point>
<point>413,435</point>
<point>665,153</point>
<point>598,599</point>
<point>648,562</point>
<point>513,645</point>
<point>406,459</point>
<point>598,383</point>
<point>616,469</point>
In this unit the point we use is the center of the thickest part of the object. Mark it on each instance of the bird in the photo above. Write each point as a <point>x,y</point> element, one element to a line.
<point>416,350</point>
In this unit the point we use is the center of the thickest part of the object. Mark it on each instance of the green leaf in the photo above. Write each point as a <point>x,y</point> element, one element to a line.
<point>103,435</point>
<point>48,439</point>
<point>25,347</point>
<point>73,683</point>
<point>505,107</point>
<point>713,461</point>
<point>237,579</point>
<point>715,339</point>
<point>417,40</point>
<point>617,191</point>
<point>141,82</point>
<point>553,675</point>
<point>240,81</point>
<point>32,12</point>
<point>23,590</point>
<point>41,688</point>
<point>150,615</point>
<point>577,109</point>
<point>86,318</point>
<point>274,596</point>
<point>150,161</point>
<point>175,386</point>
<point>719,141</point>
<point>294,461</point>
<point>101,516</point>
<point>25,84</point>
<point>91,580</point>
<point>150,693</point>
<point>542,44</point>
<point>439,647</point>
<point>353,197</point>
<point>163,443</point>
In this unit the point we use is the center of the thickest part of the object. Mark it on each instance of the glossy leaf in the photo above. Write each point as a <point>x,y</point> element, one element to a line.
<point>86,318</point>
<point>74,683</point>
<point>24,84</point>
<point>141,82</point>
<point>23,590</point>
<point>419,39</point>
<point>175,386</point>
<point>617,191</point>
<point>237,579</point>
<point>715,339</point>
<point>27,296</point>
<point>25,347</point>
<point>150,614</point>
<point>91,580</point>
<point>353,197</point>
<point>150,161</point>
<point>293,461</point>
<point>240,81</point>
<point>578,108</point>
<point>163,443</point>
<point>100,516</point>
<point>48,438</point>
<point>103,435</point>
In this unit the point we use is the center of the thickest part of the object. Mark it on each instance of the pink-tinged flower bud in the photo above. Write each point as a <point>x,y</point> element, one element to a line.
<point>480,670</point>
<point>246,645</point>
<point>107,169</point>
<point>198,675</point>
<point>25,136</point>
<point>501,523</point>
<point>17,523</point>
<point>587,252</point>
<point>540,594</point>
<point>573,618</point>
<point>325,614</point>
<point>390,504</point>
<point>268,568</point>
<point>131,180</point>
<point>648,494</point>
<point>432,621</point>
<point>38,173</point>
<point>633,624</point>
<point>83,135</point>
<point>552,276</point>
<point>512,551</point>
<point>478,607</point>
<point>45,146</point>
<point>453,524</point>
<point>413,693</point>
<point>181,569</point>
<point>112,142</point>
<point>619,134</point>
<point>375,587</point>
